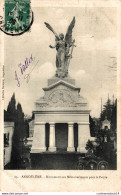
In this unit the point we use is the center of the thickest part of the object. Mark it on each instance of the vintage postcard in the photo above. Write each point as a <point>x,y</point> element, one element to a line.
<point>60,96</point>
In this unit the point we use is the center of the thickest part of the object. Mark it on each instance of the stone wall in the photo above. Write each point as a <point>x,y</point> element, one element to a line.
<point>8,129</point>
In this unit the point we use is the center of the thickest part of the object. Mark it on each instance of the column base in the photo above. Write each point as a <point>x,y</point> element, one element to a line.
<point>52,149</point>
<point>71,149</point>
<point>81,150</point>
<point>38,150</point>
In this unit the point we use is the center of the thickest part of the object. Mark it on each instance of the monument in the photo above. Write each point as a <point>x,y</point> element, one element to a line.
<point>62,106</point>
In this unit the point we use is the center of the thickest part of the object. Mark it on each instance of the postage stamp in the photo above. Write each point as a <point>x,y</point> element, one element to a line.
<point>18,17</point>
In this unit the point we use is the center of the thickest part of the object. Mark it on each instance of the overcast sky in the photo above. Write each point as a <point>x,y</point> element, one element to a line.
<point>94,58</point>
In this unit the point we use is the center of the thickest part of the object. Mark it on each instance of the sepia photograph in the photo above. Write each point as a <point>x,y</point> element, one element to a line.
<point>60,89</point>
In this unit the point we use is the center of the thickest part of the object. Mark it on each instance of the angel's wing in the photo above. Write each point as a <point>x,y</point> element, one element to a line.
<point>68,37</point>
<point>50,28</point>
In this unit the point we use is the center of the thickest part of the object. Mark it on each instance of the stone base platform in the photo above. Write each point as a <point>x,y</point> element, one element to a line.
<point>55,79</point>
<point>58,160</point>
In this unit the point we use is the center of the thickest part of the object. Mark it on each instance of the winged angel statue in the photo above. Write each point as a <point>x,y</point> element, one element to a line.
<point>64,47</point>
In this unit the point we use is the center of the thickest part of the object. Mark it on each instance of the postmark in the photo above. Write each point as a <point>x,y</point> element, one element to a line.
<point>17,17</point>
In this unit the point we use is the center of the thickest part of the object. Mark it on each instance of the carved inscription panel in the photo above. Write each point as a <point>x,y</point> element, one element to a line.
<point>61,97</point>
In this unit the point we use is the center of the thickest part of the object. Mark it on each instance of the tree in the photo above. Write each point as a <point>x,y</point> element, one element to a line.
<point>21,131</point>
<point>19,123</point>
<point>110,112</point>
<point>11,109</point>
<point>92,126</point>
<point>18,136</point>
<point>26,127</point>
<point>107,110</point>
<point>114,116</point>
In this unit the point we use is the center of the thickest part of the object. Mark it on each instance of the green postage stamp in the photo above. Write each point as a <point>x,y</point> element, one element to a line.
<point>18,17</point>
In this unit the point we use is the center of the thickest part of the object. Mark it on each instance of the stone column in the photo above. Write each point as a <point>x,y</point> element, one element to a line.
<point>70,138</point>
<point>52,147</point>
<point>38,144</point>
<point>83,136</point>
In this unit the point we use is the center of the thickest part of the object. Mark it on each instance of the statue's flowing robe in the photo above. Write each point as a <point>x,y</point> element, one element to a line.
<point>61,54</point>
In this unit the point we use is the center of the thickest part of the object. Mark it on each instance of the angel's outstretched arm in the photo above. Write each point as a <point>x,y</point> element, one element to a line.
<point>56,43</point>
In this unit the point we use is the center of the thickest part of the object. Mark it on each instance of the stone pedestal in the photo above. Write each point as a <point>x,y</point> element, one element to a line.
<point>61,103</point>
<point>55,79</point>
<point>52,147</point>
<point>83,136</point>
<point>39,138</point>
<point>70,138</point>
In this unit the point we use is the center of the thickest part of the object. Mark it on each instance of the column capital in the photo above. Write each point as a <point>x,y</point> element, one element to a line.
<point>52,123</point>
<point>70,123</point>
<point>39,123</point>
<point>83,123</point>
